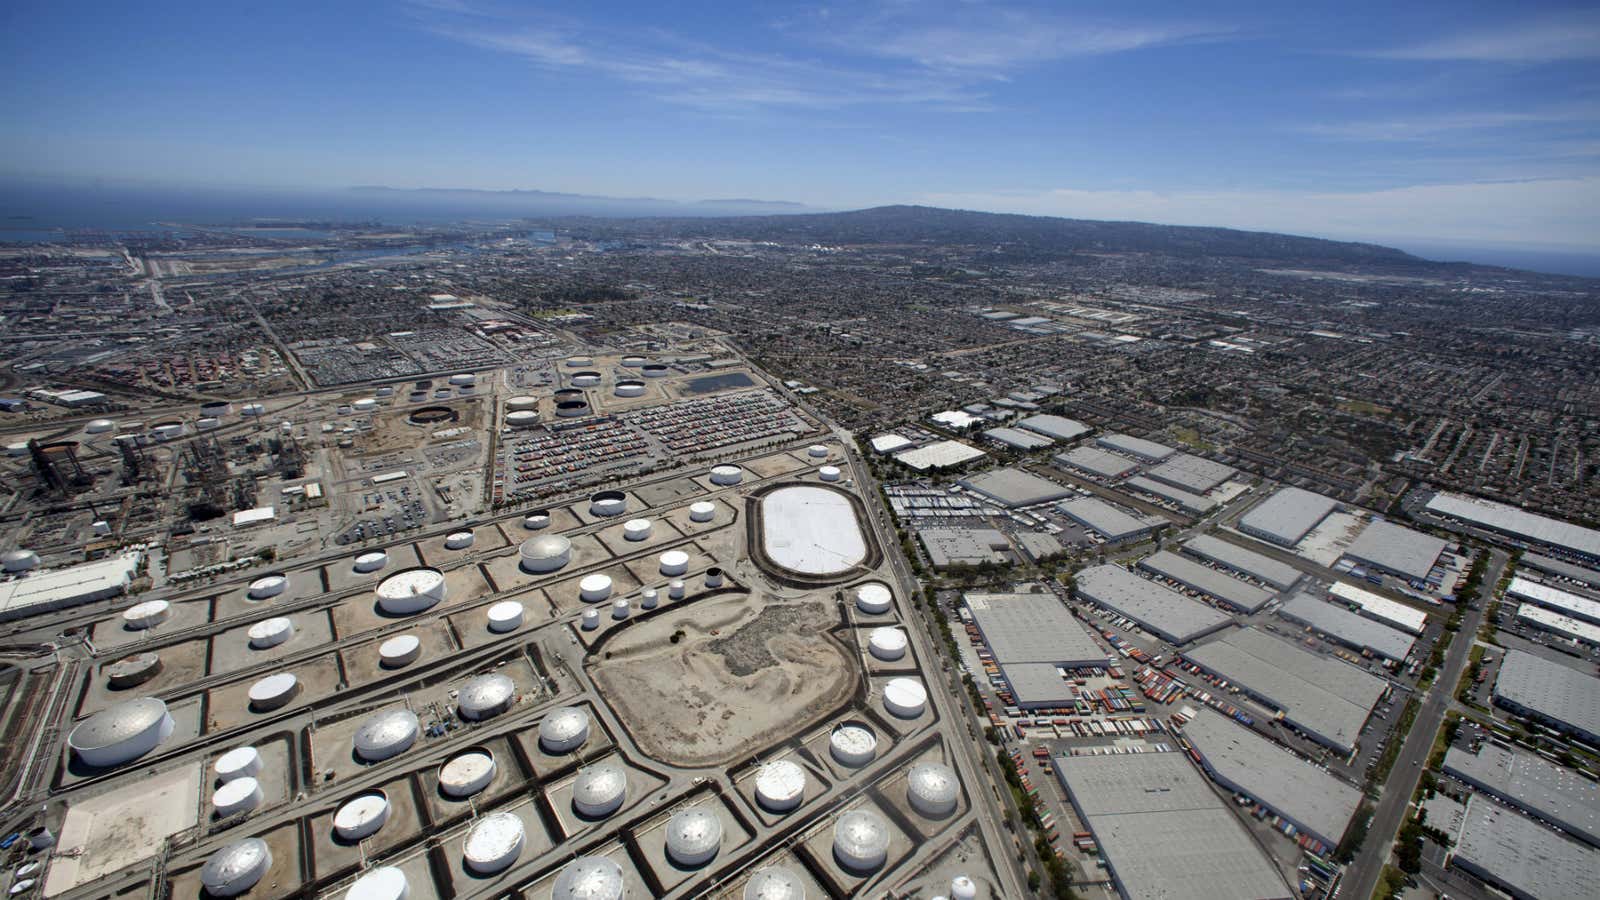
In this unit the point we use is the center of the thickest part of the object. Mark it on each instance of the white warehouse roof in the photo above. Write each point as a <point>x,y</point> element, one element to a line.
<point>1286,516</point>
<point>1381,608</point>
<point>1397,549</point>
<point>1518,523</point>
<point>46,589</point>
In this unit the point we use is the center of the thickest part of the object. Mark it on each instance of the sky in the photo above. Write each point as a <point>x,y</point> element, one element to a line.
<point>1454,122</point>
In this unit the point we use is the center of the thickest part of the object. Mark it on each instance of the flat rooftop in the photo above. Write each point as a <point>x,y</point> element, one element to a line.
<point>1191,473</point>
<point>811,530</point>
<point>1264,568</point>
<point>939,455</point>
<point>1566,602</point>
<point>1096,462</point>
<point>1286,516</point>
<point>1517,523</point>
<point>1513,851</point>
<point>1058,427</point>
<point>1580,574</point>
<point>1554,793</point>
<point>1349,628</point>
<point>1395,548</point>
<point>1024,628</point>
<point>1015,487</point>
<point>1550,620</point>
<point>1016,437</point>
<point>1164,831</point>
<point>1203,578</point>
<point>1168,613</point>
<point>1110,522</point>
<point>1147,450</point>
<point>1188,501</point>
<point>949,546</point>
<point>1550,689</point>
<point>1037,684</point>
<point>1406,618</point>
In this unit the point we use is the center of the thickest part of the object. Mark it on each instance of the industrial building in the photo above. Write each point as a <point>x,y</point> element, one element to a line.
<point>1586,633</point>
<point>1499,846</point>
<point>1327,699</point>
<point>1561,569</point>
<point>1340,624</point>
<point>1096,462</point>
<point>1108,521</point>
<point>1397,550</point>
<point>1550,692</point>
<point>1217,585</point>
<point>1188,472</point>
<point>1014,488</point>
<point>1389,612</point>
<point>1248,562</point>
<point>43,590</point>
<point>1136,447</point>
<point>963,546</point>
<point>1162,611</point>
<point>1057,427</point>
<point>1245,762</point>
<point>1575,540</point>
<point>1286,517</point>
<point>1163,831</point>
<point>1032,628</point>
<point>1566,603</point>
<point>939,455</point>
<point>1017,439</point>
<point>1190,503</point>
<point>1530,782</point>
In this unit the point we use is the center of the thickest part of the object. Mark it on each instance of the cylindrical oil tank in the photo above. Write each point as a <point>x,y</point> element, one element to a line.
<point>853,745</point>
<point>463,379</point>
<point>545,553</point>
<point>654,370</point>
<point>713,578</point>
<point>505,616</point>
<point>636,529</point>
<point>564,730</point>
<point>594,588</point>
<point>963,887</point>
<point>905,697</point>
<point>167,431</point>
<point>206,423</point>
<point>620,608</point>
<point>411,591</point>
<point>726,475</point>
<point>466,773</point>
<point>536,520</point>
<point>236,868</point>
<point>270,632</point>
<point>486,696</point>
<point>17,448</point>
<point>361,816</point>
<point>674,562</point>
<point>693,837</point>
<point>522,402</point>
<point>240,762</point>
<point>132,671</point>
<point>382,883</point>
<point>253,409</point>
<point>589,878</point>
<point>571,409</point>
<point>580,362</point>
<point>587,378</point>
<point>648,599</point>
<point>817,451</point>
<point>122,732</point>
<point>458,540</point>
<point>591,619</point>
<point>780,785</point>
<point>675,590</point>
<point>399,651</point>
<point>19,560</point>
<point>273,692</point>
<point>861,840</point>
<point>702,511</point>
<point>217,408</point>
<point>371,561</point>
<point>608,503</point>
<point>633,362</point>
<point>493,843</point>
<point>629,387</point>
<point>144,615</point>
<point>599,790</point>
<point>828,473</point>
<point>774,883</point>
<point>874,598</point>
<point>365,405</point>
<point>387,734</point>
<point>101,426</point>
<point>40,837</point>
<point>933,789</point>
<point>238,796</point>
<point>268,586</point>
<point>522,418</point>
<point>888,644</point>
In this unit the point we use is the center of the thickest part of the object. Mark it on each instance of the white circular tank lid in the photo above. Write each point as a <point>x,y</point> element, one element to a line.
<point>774,883</point>
<point>692,835</point>
<point>854,740</point>
<point>238,763</point>
<point>361,816</point>
<point>674,559</point>
<point>905,693</point>
<point>467,773</point>
<point>817,450</point>
<point>271,631</point>
<point>889,642</point>
<point>634,526</point>
<point>372,561</point>
<point>781,782</point>
<point>273,687</point>
<point>494,842</point>
<point>963,888</point>
<point>382,883</point>
<point>458,539</point>
<point>506,611</point>
<point>141,614</point>
<point>268,586</point>
<point>400,646</point>
<point>592,584</point>
<point>238,795</point>
<point>589,878</point>
<point>236,868</point>
<point>702,508</point>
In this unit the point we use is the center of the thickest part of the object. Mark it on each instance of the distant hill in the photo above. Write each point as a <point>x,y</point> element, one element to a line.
<point>547,203</point>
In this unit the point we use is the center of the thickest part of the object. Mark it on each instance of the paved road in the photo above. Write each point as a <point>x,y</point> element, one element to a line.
<point>1362,877</point>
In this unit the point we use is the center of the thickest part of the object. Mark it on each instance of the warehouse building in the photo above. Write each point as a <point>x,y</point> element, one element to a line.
<point>1248,562</point>
<point>1057,428</point>
<point>1096,462</point>
<point>1017,439</point>
<point>1586,633</point>
<point>939,455</point>
<point>1286,517</point>
<point>1397,550</point>
<point>1389,612</point>
<point>1163,831</point>
<point>1188,472</point>
<point>1196,577</point>
<point>1038,685</point>
<point>1345,627</point>
<point>1560,569</point>
<point>1327,699</point>
<point>1574,540</point>
<point>1108,521</point>
<point>1029,635</point>
<point>1498,846</point>
<point>1530,782</point>
<point>44,590</point>
<point>1191,504</point>
<point>1173,617</point>
<point>1245,762</point>
<point>1013,488</point>
<point>963,546</point>
<point>1136,447</point>
<point>1567,603</point>
<point>1549,692</point>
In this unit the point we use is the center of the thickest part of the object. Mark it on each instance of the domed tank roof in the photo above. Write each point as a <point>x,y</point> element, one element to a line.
<point>386,734</point>
<point>546,546</point>
<point>564,729</point>
<point>963,888</point>
<point>236,868</point>
<point>467,773</point>
<point>933,789</point>
<point>888,643</point>
<point>118,723</point>
<point>861,840</point>
<point>693,836</point>
<point>382,883</point>
<point>589,878</point>
<point>486,696</point>
<point>780,785</point>
<point>19,560</point>
<point>493,843</point>
<point>853,745</point>
<point>774,883</point>
<point>599,789</point>
<point>874,598</point>
<point>411,591</point>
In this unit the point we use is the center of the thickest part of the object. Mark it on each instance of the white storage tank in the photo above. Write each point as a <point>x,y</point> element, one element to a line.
<point>693,837</point>
<point>207,424</point>
<point>545,553</point>
<point>608,503</point>
<point>236,797</point>
<point>466,773</point>
<point>674,562</point>
<point>780,785</point>
<point>536,521</point>
<point>675,590</point>
<point>648,599</point>
<point>702,511</point>
<point>382,883</point>
<point>861,841</point>
<point>411,591</point>
<point>629,387</point>
<point>828,473</point>
<point>486,696</point>
<point>963,887</point>
<point>586,379</point>
<point>599,790</point>
<point>463,379</point>
<point>386,735</point>
<point>888,644</point>
<point>458,540</point>
<point>564,730</point>
<point>933,789</point>
<point>268,586</point>
<point>591,619</point>
<point>19,560</point>
<point>853,745</point>
<point>371,561</point>
<point>20,448</point>
<point>522,418</point>
<point>521,403</point>
<point>713,578</point>
<point>120,733</point>
<point>874,598</point>
<point>270,632</point>
<point>774,883</point>
<point>633,362</point>
<point>636,529</point>
<point>240,762</point>
<point>253,409</point>
<point>726,475</point>
<point>580,362</point>
<point>365,405</point>
<point>361,816</point>
<point>594,588</point>
<point>589,878</point>
<point>399,651</point>
<point>493,843</point>
<point>817,451</point>
<point>273,692</point>
<point>905,698</point>
<point>168,431</point>
<point>619,608</point>
<point>505,616</point>
<point>99,426</point>
<point>144,615</point>
<point>236,868</point>
<point>655,370</point>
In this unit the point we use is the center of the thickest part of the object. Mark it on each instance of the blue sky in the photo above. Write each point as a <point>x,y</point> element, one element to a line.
<point>1452,121</point>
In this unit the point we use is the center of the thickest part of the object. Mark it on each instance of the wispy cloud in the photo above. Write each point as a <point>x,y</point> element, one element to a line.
<point>1547,39</point>
<point>1437,125</point>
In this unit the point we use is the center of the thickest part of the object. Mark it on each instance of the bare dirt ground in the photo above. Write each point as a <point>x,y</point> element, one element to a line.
<point>767,672</point>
